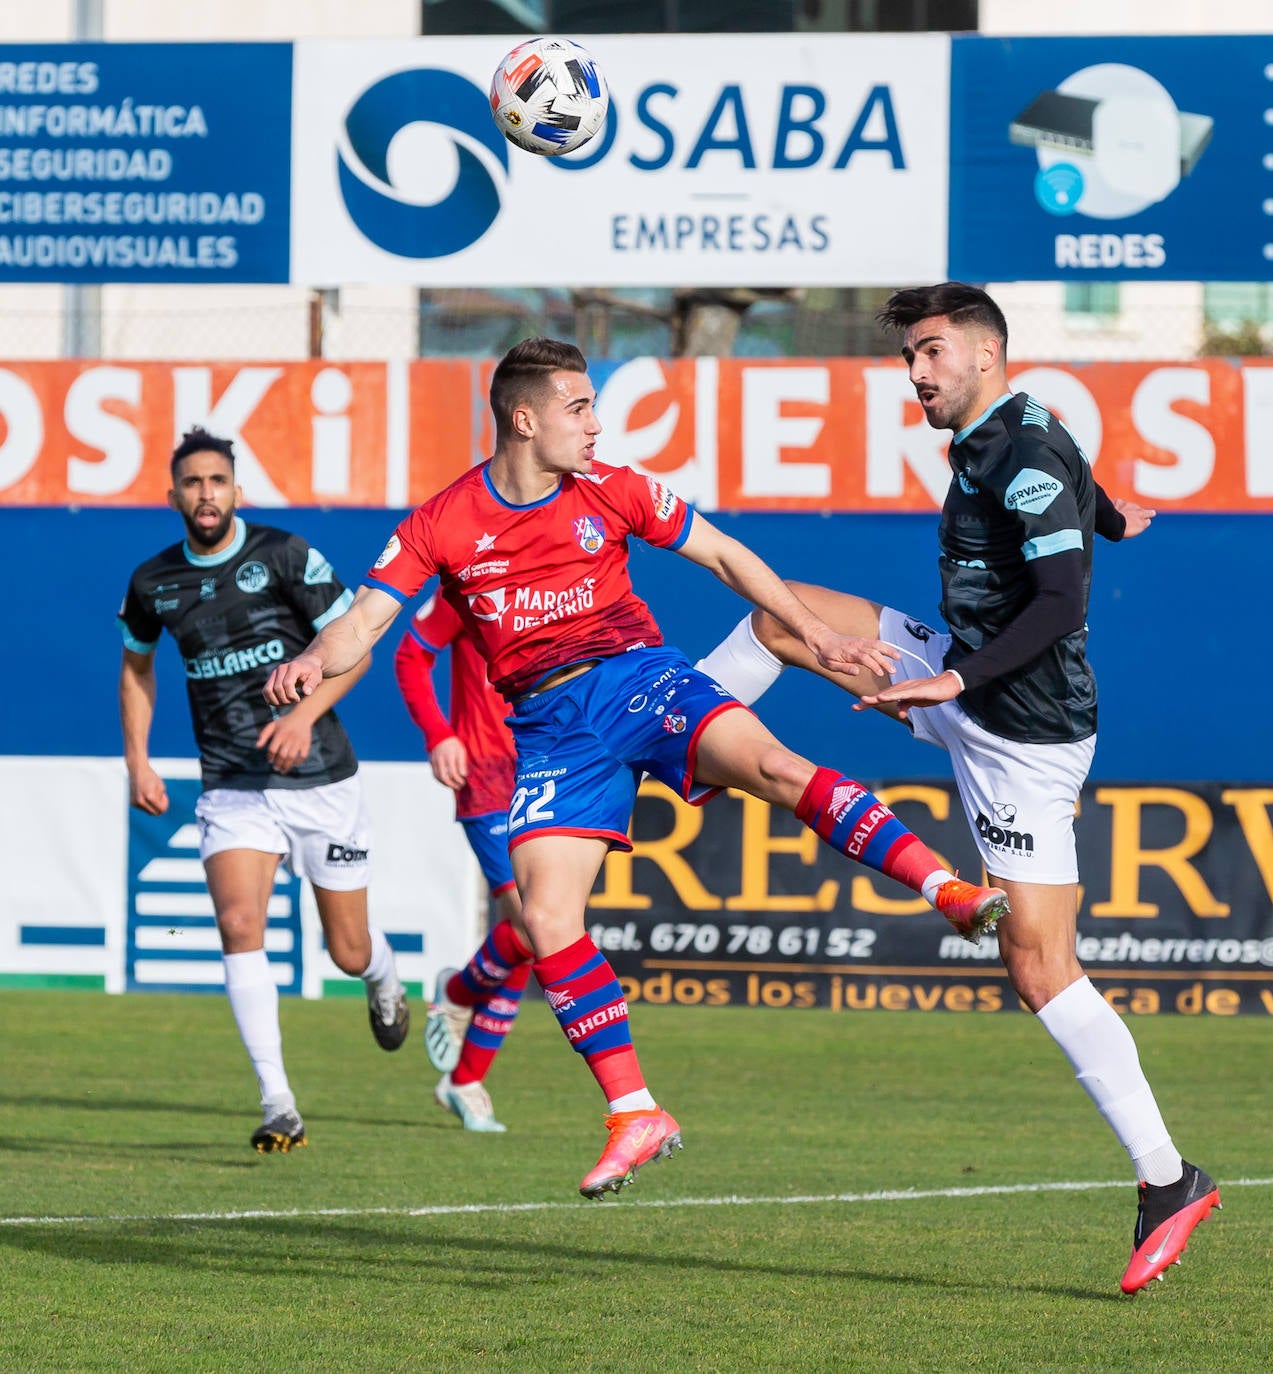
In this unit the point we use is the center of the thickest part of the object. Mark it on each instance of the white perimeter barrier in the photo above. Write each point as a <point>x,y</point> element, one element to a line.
<point>96,894</point>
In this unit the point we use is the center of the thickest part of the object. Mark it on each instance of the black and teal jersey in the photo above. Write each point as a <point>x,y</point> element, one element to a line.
<point>235,616</point>
<point>1022,493</point>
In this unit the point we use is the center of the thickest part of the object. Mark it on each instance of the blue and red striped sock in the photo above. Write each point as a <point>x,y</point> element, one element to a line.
<point>492,1020</point>
<point>489,969</point>
<point>853,820</point>
<point>580,987</point>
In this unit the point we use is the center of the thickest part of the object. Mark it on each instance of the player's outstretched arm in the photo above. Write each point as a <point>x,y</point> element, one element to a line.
<point>915,691</point>
<point>751,577</point>
<point>337,647</point>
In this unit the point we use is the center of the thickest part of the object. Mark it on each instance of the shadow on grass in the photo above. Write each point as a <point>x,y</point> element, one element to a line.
<point>118,1106</point>
<point>49,1147</point>
<point>107,1102</point>
<point>331,1249</point>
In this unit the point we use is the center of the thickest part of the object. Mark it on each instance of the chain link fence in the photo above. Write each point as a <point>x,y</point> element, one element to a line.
<point>1048,322</point>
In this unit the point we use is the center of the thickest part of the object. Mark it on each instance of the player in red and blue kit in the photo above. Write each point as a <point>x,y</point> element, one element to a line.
<point>472,753</point>
<point>531,551</point>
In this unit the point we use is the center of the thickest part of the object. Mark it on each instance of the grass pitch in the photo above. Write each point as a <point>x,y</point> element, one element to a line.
<point>844,1200</point>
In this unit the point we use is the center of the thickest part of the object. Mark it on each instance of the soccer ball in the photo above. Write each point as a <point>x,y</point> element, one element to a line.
<point>548,96</point>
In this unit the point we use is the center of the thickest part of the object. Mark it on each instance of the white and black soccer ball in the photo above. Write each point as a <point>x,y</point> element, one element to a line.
<point>548,96</point>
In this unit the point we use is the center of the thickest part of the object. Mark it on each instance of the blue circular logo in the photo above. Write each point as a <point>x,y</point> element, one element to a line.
<point>1059,188</point>
<point>404,227</point>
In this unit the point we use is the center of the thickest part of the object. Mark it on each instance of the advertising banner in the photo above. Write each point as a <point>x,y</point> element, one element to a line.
<point>725,160</point>
<point>726,434</point>
<point>734,903</point>
<point>145,162</point>
<point>108,897</point>
<point>1089,159</point>
<point>737,904</point>
<point>754,159</point>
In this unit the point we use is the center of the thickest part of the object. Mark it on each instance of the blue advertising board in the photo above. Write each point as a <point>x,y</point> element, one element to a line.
<point>145,162</point>
<point>1088,159</point>
<point>69,569</point>
<point>1120,158</point>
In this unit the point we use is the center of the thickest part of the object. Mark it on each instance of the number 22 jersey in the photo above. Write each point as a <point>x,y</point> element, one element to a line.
<point>538,586</point>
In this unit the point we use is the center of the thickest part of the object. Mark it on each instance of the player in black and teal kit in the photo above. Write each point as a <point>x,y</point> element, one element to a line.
<point>1016,564</point>
<point>238,599</point>
<point>1009,693</point>
<point>234,614</point>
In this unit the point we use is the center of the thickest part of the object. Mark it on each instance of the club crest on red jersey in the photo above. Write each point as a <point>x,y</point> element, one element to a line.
<point>590,533</point>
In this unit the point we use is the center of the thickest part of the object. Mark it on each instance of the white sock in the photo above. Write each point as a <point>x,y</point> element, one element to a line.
<point>639,1101</point>
<point>1103,1054</point>
<point>380,973</point>
<point>932,883</point>
<point>741,664</point>
<point>253,995</point>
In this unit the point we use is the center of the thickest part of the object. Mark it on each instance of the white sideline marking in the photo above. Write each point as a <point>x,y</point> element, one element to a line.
<point>729,1200</point>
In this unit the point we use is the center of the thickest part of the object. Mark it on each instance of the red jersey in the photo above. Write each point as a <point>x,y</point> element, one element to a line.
<point>540,586</point>
<point>477,709</point>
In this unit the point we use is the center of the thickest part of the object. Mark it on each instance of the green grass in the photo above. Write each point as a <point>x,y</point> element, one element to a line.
<point>134,1113</point>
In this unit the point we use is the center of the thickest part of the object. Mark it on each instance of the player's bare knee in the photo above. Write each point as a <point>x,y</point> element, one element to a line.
<point>1037,980</point>
<point>546,928</point>
<point>241,929</point>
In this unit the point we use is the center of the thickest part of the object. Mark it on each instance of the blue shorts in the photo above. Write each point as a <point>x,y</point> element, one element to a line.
<point>488,839</point>
<point>583,746</point>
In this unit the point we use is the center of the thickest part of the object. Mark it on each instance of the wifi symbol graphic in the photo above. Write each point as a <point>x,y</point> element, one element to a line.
<point>1059,188</point>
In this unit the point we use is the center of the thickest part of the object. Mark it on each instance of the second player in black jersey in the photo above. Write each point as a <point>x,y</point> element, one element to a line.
<point>1021,494</point>
<point>1009,694</point>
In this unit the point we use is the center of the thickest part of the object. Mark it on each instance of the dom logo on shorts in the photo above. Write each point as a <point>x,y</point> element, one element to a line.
<point>998,833</point>
<point>342,854</point>
<point>392,217</point>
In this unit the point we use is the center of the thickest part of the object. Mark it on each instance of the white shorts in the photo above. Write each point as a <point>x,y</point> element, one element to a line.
<point>323,833</point>
<point>1019,798</point>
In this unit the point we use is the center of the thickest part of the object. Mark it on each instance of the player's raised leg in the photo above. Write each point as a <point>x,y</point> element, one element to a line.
<point>736,750</point>
<point>555,873</point>
<point>748,661</point>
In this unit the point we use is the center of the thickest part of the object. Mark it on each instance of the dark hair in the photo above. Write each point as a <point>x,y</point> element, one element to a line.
<point>198,440</point>
<point>522,374</point>
<point>960,303</point>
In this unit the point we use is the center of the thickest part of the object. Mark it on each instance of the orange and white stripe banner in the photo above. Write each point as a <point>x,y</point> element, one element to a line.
<point>727,434</point>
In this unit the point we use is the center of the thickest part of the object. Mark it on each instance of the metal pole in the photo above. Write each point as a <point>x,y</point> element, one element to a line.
<point>82,305</point>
